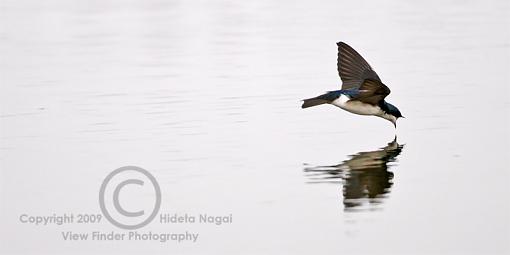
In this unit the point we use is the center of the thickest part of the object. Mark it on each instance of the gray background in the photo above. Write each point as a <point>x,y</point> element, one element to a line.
<point>205,95</point>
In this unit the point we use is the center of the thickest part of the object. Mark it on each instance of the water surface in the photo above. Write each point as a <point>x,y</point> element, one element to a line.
<point>206,95</point>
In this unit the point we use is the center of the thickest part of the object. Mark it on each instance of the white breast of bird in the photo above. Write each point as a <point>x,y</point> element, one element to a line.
<point>357,107</point>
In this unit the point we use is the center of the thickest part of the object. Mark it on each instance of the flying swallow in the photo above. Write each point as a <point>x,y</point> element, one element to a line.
<point>362,91</point>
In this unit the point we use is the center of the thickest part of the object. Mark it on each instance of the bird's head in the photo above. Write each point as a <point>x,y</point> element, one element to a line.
<point>392,113</point>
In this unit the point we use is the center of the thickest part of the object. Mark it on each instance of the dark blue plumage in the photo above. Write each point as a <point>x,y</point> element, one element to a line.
<point>390,109</point>
<point>332,95</point>
<point>329,97</point>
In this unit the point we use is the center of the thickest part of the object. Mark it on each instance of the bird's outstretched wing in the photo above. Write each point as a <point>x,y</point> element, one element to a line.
<point>372,92</point>
<point>352,68</point>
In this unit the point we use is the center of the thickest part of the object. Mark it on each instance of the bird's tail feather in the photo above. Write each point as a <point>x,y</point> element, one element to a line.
<point>313,102</point>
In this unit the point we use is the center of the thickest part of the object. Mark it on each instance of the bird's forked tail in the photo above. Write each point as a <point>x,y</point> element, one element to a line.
<point>313,102</point>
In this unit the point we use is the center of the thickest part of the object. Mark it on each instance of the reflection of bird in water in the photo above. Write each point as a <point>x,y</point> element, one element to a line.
<point>365,175</point>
